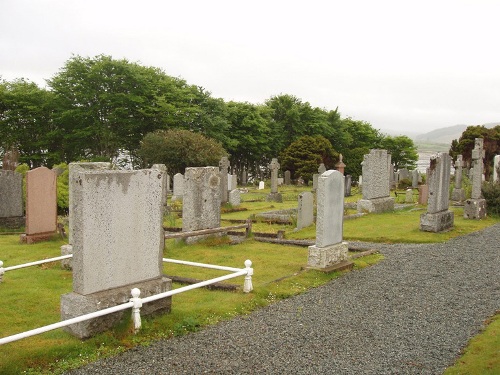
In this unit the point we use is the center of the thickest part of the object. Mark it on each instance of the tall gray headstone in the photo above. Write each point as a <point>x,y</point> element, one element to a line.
<point>438,218</point>
<point>274,166</point>
<point>305,210</point>
<point>287,177</point>
<point>458,193</point>
<point>118,239</point>
<point>475,208</point>
<point>414,178</point>
<point>496,169</point>
<point>178,187</point>
<point>224,168</point>
<point>329,248</point>
<point>11,199</point>
<point>201,204</point>
<point>376,187</point>
<point>347,185</point>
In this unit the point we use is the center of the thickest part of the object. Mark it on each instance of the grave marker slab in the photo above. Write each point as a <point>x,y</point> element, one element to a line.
<point>11,199</point>
<point>458,193</point>
<point>496,169</point>
<point>305,208</point>
<point>178,187</point>
<point>224,168</point>
<point>475,207</point>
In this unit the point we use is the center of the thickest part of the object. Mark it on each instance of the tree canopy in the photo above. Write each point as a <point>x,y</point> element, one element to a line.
<point>403,151</point>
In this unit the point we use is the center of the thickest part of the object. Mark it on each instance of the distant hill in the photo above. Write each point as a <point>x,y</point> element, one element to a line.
<point>446,135</point>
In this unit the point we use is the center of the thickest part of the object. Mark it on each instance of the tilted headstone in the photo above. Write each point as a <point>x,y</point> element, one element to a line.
<point>201,205</point>
<point>11,199</point>
<point>178,187</point>
<point>376,174</point>
<point>438,218</point>
<point>224,168</point>
<point>274,166</point>
<point>458,193</point>
<point>496,169</point>
<point>475,208</point>
<point>235,197</point>
<point>41,205</point>
<point>116,219</point>
<point>288,180</point>
<point>329,248</point>
<point>305,210</point>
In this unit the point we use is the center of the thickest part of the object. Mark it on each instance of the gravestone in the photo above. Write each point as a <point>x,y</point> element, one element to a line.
<point>496,169</point>
<point>376,174</point>
<point>244,176</point>
<point>404,174</point>
<point>201,205</point>
<point>287,177</point>
<point>261,185</point>
<point>329,249</point>
<point>178,187</point>
<point>423,194</point>
<point>166,180</point>
<point>224,168</point>
<point>414,178</point>
<point>340,166</point>
<point>475,207</point>
<point>117,237</point>
<point>235,198</point>
<point>11,199</point>
<point>234,183</point>
<point>315,182</point>
<point>347,185</point>
<point>305,208</point>
<point>321,169</point>
<point>10,160</point>
<point>274,196</point>
<point>392,177</point>
<point>41,205</point>
<point>458,193</point>
<point>409,196</point>
<point>438,218</point>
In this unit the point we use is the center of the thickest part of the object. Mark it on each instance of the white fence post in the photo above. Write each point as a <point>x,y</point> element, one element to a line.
<point>136,309</point>
<point>247,286</point>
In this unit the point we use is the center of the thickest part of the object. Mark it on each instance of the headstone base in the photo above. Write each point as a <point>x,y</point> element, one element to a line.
<point>74,304</point>
<point>325,257</point>
<point>274,197</point>
<point>475,209</point>
<point>39,237</point>
<point>376,205</point>
<point>13,222</point>
<point>436,222</point>
<point>458,195</point>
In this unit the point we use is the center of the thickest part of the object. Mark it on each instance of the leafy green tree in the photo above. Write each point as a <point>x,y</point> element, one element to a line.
<point>303,156</point>
<point>26,121</point>
<point>179,148</point>
<point>403,151</point>
<point>353,158</point>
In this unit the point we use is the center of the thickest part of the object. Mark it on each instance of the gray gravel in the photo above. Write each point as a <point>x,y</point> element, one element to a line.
<point>410,314</point>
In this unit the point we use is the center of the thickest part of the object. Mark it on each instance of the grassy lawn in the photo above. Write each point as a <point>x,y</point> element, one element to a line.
<point>276,277</point>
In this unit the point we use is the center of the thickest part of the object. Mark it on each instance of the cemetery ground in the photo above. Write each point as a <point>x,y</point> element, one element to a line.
<point>31,296</point>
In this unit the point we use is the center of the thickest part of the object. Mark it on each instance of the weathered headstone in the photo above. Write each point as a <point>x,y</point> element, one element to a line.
<point>414,178</point>
<point>261,185</point>
<point>438,218</point>
<point>409,195</point>
<point>11,199</point>
<point>376,192</point>
<point>224,168</point>
<point>404,174</point>
<point>41,205</point>
<point>423,194</point>
<point>235,197</point>
<point>475,207</point>
<point>274,196</point>
<point>201,205</point>
<point>458,193</point>
<point>118,239</point>
<point>315,182</point>
<point>496,169</point>
<point>321,169</point>
<point>392,177</point>
<point>178,187</point>
<point>347,185</point>
<point>244,176</point>
<point>166,180</point>
<point>305,210</point>
<point>340,166</point>
<point>329,249</point>
<point>288,180</point>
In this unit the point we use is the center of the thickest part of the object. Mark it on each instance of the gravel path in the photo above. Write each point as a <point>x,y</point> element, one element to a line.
<point>412,313</point>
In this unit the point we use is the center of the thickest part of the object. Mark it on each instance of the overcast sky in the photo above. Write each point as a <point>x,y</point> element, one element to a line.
<point>397,64</point>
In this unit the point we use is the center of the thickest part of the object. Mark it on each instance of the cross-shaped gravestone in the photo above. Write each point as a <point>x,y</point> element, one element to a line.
<point>458,171</point>
<point>477,162</point>
<point>274,166</point>
<point>224,168</point>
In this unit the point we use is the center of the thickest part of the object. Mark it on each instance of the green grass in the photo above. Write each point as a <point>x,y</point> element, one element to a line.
<point>278,274</point>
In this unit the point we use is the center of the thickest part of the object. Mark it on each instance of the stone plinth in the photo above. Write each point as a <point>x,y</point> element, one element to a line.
<point>377,205</point>
<point>324,257</point>
<point>75,304</point>
<point>475,209</point>
<point>436,222</point>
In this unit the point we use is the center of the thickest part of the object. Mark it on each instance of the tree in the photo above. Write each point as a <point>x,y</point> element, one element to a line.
<point>403,151</point>
<point>179,148</point>
<point>304,155</point>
